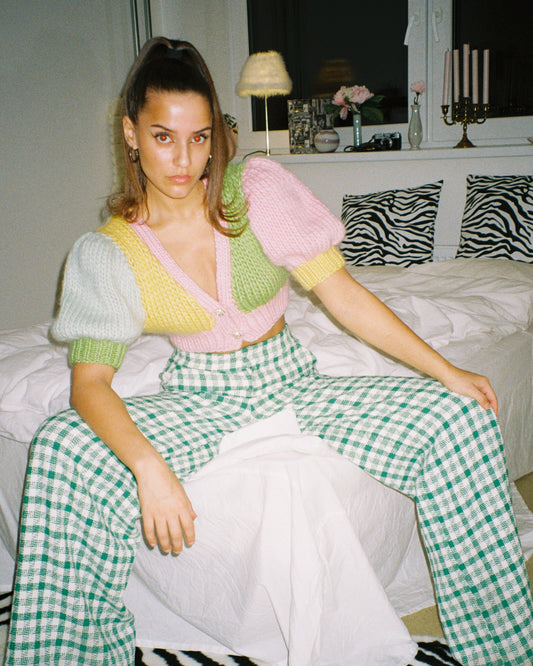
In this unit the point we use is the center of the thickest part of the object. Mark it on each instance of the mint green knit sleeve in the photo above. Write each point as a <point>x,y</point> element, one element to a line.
<point>100,310</point>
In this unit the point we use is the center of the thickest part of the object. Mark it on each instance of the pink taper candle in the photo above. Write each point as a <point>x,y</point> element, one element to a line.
<point>475,78</point>
<point>466,70</point>
<point>446,82</point>
<point>486,76</point>
<point>456,75</point>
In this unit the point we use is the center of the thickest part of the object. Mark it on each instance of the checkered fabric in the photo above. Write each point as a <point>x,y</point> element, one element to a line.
<point>79,526</point>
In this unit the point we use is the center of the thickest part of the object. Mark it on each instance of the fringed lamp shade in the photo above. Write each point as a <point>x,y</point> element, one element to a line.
<point>264,75</point>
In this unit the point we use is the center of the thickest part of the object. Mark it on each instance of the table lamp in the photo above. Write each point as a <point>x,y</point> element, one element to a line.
<point>264,75</point>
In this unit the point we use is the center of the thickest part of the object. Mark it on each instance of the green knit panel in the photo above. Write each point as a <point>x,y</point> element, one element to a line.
<point>87,350</point>
<point>255,280</point>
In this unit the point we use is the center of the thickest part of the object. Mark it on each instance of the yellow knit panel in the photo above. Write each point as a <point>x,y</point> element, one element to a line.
<point>168,307</point>
<point>316,270</point>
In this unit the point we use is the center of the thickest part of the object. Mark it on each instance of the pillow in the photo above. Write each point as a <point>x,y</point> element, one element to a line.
<point>498,218</point>
<point>392,227</point>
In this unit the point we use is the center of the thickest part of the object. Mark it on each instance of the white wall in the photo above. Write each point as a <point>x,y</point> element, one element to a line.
<point>61,65</point>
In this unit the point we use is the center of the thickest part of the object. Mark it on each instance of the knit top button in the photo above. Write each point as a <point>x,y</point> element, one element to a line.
<point>220,312</point>
<point>236,334</point>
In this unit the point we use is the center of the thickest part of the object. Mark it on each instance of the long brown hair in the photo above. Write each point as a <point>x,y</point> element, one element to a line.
<point>171,66</point>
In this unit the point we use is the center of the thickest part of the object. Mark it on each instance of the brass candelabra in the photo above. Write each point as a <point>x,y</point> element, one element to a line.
<point>466,113</point>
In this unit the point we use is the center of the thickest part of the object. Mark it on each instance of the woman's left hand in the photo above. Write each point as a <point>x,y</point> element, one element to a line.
<point>472,385</point>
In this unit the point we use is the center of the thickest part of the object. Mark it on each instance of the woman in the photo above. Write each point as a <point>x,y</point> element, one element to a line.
<point>201,250</point>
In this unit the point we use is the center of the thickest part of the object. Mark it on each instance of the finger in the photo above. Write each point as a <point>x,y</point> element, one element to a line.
<point>149,531</point>
<point>492,399</point>
<point>163,536</point>
<point>485,398</point>
<point>187,525</point>
<point>176,536</point>
<point>489,399</point>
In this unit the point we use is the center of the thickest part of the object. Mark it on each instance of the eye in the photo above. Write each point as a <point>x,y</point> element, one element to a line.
<point>163,137</point>
<point>200,138</point>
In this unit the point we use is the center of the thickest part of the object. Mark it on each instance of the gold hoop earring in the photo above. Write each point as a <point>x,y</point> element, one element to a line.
<point>133,154</point>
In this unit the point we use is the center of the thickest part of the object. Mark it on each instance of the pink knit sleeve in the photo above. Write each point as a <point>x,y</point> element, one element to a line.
<point>294,228</point>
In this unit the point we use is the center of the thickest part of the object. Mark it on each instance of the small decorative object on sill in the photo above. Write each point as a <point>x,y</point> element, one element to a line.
<point>414,132</point>
<point>357,131</point>
<point>327,140</point>
<point>465,110</point>
<point>359,101</point>
<point>381,141</point>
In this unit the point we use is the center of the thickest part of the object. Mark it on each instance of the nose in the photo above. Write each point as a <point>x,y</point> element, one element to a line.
<point>182,156</point>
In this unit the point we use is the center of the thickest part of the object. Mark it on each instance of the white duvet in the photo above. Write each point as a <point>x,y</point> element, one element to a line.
<point>293,541</point>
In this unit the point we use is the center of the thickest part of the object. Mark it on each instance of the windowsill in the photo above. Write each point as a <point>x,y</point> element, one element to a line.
<point>519,149</point>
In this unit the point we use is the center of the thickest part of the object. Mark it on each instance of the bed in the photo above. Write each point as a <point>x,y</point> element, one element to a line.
<point>292,540</point>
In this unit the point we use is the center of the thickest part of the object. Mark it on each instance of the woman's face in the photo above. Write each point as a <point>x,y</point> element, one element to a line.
<point>173,136</point>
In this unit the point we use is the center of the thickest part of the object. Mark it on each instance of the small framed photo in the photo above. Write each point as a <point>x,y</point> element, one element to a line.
<point>306,118</point>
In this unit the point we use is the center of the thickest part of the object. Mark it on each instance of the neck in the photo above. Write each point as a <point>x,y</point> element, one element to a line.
<point>163,211</point>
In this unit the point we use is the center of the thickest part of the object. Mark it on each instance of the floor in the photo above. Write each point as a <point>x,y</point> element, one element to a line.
<point>426,622</point>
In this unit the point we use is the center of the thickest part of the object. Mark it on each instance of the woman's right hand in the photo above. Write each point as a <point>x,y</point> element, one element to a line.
<point>167,513</point>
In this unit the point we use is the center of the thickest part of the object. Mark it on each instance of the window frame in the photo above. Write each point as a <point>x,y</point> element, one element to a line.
<point>429,36</point>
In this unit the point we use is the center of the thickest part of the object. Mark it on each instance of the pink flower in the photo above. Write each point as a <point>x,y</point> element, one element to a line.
<point>418,87</point>
<point>350,99</point>
<point>338,98</point>
<point>359,94</point>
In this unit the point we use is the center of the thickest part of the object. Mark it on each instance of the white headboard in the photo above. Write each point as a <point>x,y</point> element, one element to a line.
<point>332,175</point>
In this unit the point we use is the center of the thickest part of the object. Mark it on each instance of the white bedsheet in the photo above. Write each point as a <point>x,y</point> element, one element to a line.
<point>479,314</point>
<point>287,569</point>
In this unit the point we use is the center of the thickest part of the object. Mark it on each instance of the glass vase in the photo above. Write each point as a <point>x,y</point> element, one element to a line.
<point>357,133</point>
<point>414,133</point>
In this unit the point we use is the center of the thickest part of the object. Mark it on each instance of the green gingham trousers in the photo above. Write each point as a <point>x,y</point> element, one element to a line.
<point>79,529</point>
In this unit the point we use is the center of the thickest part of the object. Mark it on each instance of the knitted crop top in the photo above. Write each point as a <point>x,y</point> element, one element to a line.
<point>120,282</point>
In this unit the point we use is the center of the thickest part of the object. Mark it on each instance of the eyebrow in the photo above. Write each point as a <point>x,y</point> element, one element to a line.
<point>167,129</point>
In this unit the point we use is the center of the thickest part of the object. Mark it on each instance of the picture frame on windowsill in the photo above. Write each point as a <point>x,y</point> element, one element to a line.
<point>306,118</point>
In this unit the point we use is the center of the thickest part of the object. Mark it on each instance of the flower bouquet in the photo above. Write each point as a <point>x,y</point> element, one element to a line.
<point>361,103</point>
<point>356,99</point>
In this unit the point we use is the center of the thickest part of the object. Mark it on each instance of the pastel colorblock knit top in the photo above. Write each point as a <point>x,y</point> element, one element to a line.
<point>120,282</point>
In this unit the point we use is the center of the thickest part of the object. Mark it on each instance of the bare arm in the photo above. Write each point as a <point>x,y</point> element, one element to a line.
<point>368,318</point>
<point>166,509</point>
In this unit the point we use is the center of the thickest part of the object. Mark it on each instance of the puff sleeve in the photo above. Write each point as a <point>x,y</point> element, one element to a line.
<point>294,228</point>
<point>100,311</point>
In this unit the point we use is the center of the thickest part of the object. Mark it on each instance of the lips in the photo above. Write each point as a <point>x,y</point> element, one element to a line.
<point>180,180</point>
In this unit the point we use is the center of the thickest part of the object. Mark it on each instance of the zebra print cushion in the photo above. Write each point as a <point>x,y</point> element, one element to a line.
<point>498,218</point>
<point>391,227</point>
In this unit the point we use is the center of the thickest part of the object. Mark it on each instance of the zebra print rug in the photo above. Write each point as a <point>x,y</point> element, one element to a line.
<point>431,651</point>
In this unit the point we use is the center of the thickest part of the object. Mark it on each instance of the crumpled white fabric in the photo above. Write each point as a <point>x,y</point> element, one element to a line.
<point>284,577</point>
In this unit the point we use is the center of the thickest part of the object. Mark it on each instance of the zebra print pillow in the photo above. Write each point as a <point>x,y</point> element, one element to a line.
<point>391,227</point>
<point>498,218</point>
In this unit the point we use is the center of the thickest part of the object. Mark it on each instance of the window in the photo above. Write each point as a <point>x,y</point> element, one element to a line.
<point>501,26</point>
<point>428,26</point>
<point>505,29</point>
<point>320,56</point>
